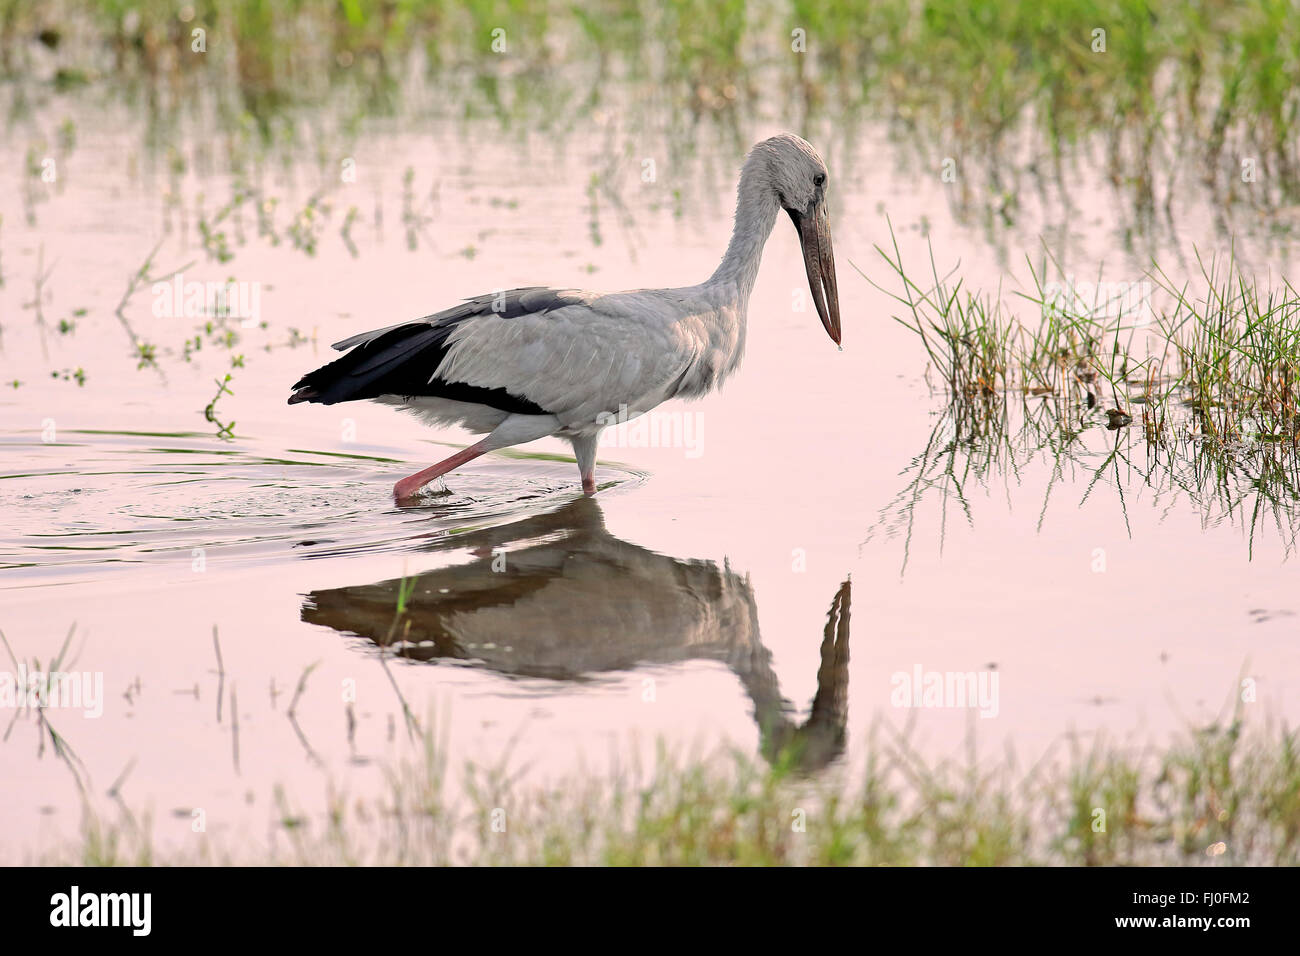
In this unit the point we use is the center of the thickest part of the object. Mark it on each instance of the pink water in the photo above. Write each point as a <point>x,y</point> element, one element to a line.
<point>685,602</point>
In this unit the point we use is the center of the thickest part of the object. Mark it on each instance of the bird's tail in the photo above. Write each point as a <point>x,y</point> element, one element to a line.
<point>400,361</point>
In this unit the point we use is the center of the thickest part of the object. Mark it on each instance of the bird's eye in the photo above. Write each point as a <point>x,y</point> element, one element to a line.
<point>819,179</point>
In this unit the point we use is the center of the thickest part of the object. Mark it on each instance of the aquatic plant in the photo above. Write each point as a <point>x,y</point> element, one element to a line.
<point>1194,90</point>
<point>1227,793</point>
<point>1220,365</point>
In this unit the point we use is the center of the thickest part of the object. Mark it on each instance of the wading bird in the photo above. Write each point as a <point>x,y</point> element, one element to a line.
<point>528,363</point>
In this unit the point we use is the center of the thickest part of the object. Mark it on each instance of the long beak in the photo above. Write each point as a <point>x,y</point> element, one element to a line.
<point>819,260</point>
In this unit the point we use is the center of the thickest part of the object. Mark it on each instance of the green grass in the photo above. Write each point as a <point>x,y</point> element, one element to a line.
<point>1219,795</point>
<point>1190,84</point>
<point>1198,387</point>
<point>1213,360</point>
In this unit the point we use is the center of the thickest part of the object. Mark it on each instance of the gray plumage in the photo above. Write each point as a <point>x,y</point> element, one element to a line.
<point>526,363</point>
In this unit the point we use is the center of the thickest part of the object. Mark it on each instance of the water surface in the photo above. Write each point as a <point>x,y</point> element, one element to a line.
<point>710,590</point>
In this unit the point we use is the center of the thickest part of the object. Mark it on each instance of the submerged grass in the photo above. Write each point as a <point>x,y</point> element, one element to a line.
<point>1222,794</point>
<point>983,452</point>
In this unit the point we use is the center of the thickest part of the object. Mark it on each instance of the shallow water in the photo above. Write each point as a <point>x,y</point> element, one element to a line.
<point>713,589</point>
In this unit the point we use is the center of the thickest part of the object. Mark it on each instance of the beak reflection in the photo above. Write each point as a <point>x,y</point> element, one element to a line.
<point>574,601</point>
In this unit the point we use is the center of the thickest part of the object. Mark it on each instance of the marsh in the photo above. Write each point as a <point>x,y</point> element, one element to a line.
<point>269,625</point>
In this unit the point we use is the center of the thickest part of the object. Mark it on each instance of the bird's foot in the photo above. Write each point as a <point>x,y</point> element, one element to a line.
<point>588,484</point>
<point>408,490</point>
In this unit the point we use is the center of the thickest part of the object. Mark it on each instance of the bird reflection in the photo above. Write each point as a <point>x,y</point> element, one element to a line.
<point>557,596</point>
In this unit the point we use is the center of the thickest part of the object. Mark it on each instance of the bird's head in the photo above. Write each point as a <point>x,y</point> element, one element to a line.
<point>799,178</point>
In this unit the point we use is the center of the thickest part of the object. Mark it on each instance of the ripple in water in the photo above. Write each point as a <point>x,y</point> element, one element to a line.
<point>105,500</point>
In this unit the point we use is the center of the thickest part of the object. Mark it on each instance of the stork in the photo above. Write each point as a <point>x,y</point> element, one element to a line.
<point>534,362</point>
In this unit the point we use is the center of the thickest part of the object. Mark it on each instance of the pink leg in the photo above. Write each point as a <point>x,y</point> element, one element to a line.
<point>408,486</point>
<point>584,449</point>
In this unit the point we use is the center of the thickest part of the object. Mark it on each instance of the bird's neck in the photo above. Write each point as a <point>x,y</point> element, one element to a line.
<point>756,212</point>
